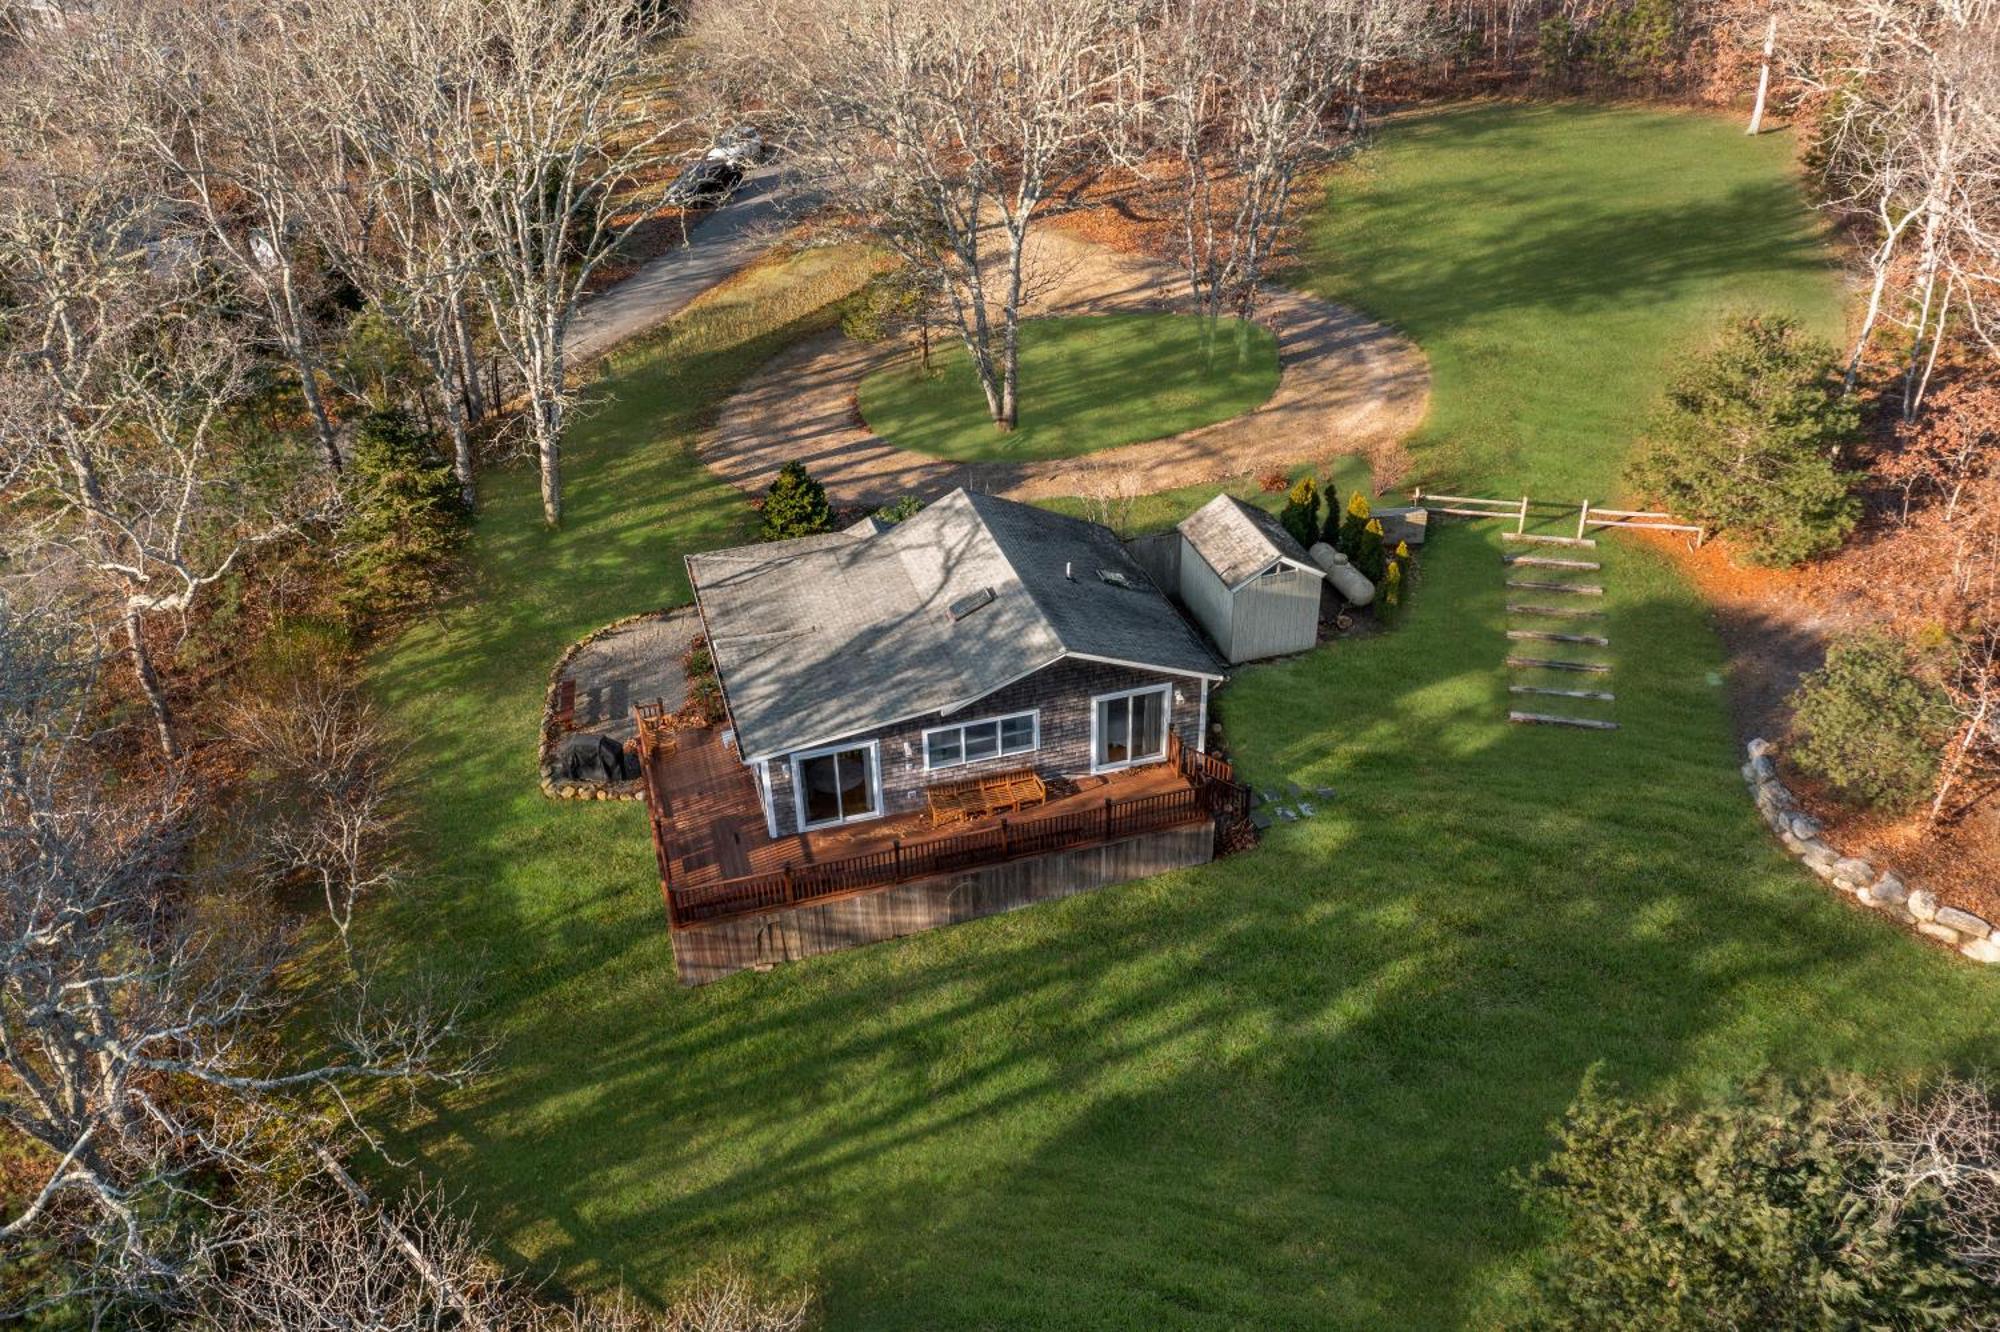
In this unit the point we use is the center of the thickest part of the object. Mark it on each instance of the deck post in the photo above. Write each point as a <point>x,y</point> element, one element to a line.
<point>896,852</point>
<point>1107,818</point>
<point>791,889</point>
<point>1006,842</point>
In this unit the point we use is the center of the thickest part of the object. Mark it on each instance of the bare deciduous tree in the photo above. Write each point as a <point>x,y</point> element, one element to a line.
<point>1914,144</point>
<point>529,127</point>
<point>136,1029</point>
<point>946,128</point>
<point>335,1260</point>
<point>125,388</point>
<point>329,764</point>
<point>394,208</point>
<point>1233,99</point>
<point>1939,1151</point>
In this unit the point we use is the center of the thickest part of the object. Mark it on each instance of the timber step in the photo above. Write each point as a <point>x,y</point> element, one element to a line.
<point>1594,695</point>
<point>1558,612</point>
<point>1581,589</point>
<point>1554,664</point>
<point>1548,719</point>
<point>1542,636</point>
<point>1549,562</point>
<point>1538,539</point>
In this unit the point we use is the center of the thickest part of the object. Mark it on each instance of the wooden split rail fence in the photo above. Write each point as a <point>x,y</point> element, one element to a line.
<point>1590,517</point>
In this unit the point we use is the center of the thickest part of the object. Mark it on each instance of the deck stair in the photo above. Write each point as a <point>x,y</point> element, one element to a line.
<point>1557,604</point>
<point>1541,636</point>
<point>1594,695</point>
<point>1580,589</point>
<point>1555,612</point>
<point>1558,664</point>
<point>1544,539</point>
<point>1550,719</point>
<point>1549,562</point>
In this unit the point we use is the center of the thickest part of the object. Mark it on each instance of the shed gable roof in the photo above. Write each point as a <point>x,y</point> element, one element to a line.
<point>833,635</point>
<point>1240,541</point>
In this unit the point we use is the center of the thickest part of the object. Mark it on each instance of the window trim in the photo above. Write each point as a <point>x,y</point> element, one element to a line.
<point>874,751</point>
<point>1166,725</point>
<point>1034,715</point>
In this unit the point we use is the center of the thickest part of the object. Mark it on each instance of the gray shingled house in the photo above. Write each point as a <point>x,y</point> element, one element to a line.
<point>861,667</point>
<point>1246,580</point>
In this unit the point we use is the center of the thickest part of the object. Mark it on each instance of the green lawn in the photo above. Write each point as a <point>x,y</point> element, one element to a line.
<point>1087,383</point>
<point>1164,508</point>
<point>1283,1090</point>
<point>1548,259</point>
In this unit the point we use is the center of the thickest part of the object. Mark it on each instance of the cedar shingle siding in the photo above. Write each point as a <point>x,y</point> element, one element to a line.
<point>1062,693</point>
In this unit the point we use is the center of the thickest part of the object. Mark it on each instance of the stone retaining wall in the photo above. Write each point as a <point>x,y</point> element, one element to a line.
<point>566,788</point>
<point>1878,889</point>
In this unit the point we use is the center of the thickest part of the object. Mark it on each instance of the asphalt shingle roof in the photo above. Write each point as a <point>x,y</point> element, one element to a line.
<point>828,636</point>
<point>1240,541</point>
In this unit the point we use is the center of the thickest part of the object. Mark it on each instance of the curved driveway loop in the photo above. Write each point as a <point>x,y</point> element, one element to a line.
<point>1347,385</point>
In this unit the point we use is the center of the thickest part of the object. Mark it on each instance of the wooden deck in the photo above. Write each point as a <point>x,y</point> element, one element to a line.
<point>715,824</point>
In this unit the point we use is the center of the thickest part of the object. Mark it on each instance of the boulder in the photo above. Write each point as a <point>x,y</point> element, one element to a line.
<point>1805,827</point>
<point>1763,769</point>
<point>1942,933</point>
<point>1888,890</point>
<point>1923,904</point>
<point>1971,926</point>
<point>1403,523</point>
<point>1852,873</point>
<point>1818,856</point>
<point>1982,950</point>
<point>1760,747</point>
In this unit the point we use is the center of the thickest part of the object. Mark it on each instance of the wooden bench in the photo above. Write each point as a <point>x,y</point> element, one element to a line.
<point>982,797</point>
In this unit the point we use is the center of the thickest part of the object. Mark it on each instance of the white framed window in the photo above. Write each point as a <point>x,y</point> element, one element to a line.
<point>837,784</point>
<point>1130,727</point>
<point>974,742</point>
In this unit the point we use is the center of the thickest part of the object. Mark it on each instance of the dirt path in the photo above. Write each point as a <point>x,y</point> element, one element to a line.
<point>1348,385</point>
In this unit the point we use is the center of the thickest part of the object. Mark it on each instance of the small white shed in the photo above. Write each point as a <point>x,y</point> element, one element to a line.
<point>1247,581</point>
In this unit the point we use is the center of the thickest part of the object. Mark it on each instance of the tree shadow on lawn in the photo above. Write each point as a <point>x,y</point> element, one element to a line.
<point>1082,405</point>
<point>1283,1089</point>
<point>1524,247</point>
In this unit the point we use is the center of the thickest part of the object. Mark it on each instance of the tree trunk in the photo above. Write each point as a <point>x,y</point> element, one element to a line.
<point>548,449</point>
<point>468,367</point>
<point>461,452</point>
<point>1010,321</point>
<point>149,682</point>
<point>1764,76</point>
<point>322,423</point>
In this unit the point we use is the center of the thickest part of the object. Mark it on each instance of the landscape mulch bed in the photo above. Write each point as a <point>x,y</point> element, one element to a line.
<point>1774,625</point>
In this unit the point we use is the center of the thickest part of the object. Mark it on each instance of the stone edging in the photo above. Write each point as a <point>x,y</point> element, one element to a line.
<point>1879,890</point>
<point>565,788</point>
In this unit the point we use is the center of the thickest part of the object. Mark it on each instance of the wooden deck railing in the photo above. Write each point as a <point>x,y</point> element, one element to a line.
<point>1213,793</point>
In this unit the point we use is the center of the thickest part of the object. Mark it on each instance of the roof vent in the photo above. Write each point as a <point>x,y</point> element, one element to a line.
<point>1116,579</point>
<point>969,603</point>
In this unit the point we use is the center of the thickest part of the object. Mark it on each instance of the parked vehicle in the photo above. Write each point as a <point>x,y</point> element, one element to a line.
<point>743,145</point>
<point>706,184</point>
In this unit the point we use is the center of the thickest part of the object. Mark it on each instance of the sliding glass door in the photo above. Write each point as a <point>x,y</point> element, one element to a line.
<point>837,786</point>
<point>1129,728</point>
